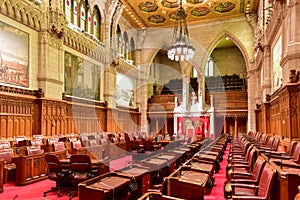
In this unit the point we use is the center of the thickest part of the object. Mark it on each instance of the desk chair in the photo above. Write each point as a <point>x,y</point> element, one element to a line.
<point>81,167</point>
<point>55,173</point>
<point>9,166</point>
<point>261,191</point>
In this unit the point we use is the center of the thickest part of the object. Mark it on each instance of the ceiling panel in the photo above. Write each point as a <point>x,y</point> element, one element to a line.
<point>162,13</point>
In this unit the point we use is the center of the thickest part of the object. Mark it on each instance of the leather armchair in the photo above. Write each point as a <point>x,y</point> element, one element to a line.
<point>9,166</point>
<point>55,173</point>
<point>250,191</point>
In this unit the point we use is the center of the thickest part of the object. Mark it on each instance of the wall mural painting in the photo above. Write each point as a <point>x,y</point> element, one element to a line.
<point>82,78</point>
<point>277,70</point>
<point>124,90</point>
<point>14,56</point>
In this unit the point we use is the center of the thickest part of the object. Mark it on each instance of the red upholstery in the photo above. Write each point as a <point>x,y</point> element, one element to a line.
<point>59,146</point>
<point>134,145</point>
<point>9,166</point>
<point>34,150</point>
<point>5,145</point>
<point>253,177</point>
<point>55,173</point>
<point>248,191</point>
<point>81,170</point>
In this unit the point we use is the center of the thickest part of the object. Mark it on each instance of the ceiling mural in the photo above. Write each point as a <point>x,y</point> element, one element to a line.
<point>200,11</point>
<point>148,13</point>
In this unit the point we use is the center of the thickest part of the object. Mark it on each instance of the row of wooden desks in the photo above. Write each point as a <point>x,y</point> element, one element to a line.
<point>134,180</point>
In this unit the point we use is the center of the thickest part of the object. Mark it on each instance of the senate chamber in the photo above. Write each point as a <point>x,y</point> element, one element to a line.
<point>149,99</point>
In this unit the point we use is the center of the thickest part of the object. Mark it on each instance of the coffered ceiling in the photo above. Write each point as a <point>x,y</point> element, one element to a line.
<point>162,13</point>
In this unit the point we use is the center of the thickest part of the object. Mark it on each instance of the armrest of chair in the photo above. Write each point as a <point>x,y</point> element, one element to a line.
<point>241,166</point>
<point>247,197</point>
<point>240,174</point>
<point>242,181</point>
<point>241,185</point>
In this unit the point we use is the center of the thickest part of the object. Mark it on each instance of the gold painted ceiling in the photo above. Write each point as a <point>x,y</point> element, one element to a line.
<point>154,13</point>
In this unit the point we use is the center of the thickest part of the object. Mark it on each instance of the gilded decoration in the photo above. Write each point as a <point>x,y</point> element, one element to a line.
<point>195,1</point>
<point>200,11</point>
<point>148,6</point>
<point>169,3</point>
<point>224,7</point>
<point>173,15</point>
<point>157,19</point>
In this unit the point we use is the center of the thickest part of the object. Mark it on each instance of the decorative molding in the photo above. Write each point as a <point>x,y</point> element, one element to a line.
<point>50,80</point>
<point>289,57</point>
<point>15,9</point>
<point>20,91</point>
<point>85,45</point>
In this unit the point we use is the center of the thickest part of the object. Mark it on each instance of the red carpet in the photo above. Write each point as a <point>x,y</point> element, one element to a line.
<point>35,191</point>
<point>220,177</point>
<point>32,192</point>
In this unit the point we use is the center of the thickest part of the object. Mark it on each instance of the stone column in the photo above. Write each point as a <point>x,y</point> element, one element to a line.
<point>110,84</point>
<point>51,63</point>
<point>186,68</point>
<point>225,125</point>
<point>201,91</point>
<point>166,125</point>
<point>267,72</point>
<point>253,96</point>
<point>290,40</point>
<point>235,125</point>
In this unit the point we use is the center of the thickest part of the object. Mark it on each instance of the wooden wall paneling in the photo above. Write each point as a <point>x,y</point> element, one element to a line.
<point>294,113</point>
<point>3,129</point>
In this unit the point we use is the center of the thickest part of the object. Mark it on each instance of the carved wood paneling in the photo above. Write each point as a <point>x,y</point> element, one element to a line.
<point>284,113</point>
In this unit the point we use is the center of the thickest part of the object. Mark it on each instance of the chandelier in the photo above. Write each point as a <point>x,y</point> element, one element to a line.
<point>181,48</point>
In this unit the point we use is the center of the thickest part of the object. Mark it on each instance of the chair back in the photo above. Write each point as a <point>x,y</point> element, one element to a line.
<point>270,142</point>
<point>263,139</point>
<point>148,145</point>
<point>5,145</point>
<point>266,181</point>
<point>76,144</point>
<point>52,140</point>
<point>258,168</point>
<point>296,155</point>
<point>291,148</point>
<point>134,145</point>
<point>252,158</point>
<point>34,150</point>
<point>80,163</point>
<point>275,144</point>
<point>53,163</point>
<point>59,146</point>
<point>7,155</point>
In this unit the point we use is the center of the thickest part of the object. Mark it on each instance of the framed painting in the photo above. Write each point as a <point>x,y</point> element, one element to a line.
<point>14,56</point>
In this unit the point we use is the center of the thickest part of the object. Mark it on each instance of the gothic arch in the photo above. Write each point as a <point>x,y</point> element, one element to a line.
<point>237,42</point>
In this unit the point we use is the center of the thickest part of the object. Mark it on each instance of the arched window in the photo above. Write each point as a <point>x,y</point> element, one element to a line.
<point>89,24</point>
<point>131,53</point>
<point>68,10</point>
<point>83,15</point>
<point>97,23</point>
<point>126,46</point>
<point>119,40</point>
<point>209,68</point>
<point>75,16</point>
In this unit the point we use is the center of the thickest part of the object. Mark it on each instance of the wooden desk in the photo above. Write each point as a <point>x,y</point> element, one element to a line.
<point>138,175</point>
<point>30,169</point>
<point>286,182</point>
<point>108,186</point>
<point>191,183</point>
<point>170,158</point>
<point>157,196</point>
<point>158,169</point>
<point>101,166</point>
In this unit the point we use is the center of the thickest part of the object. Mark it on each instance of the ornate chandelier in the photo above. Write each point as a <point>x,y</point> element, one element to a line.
<point>181,48</point>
